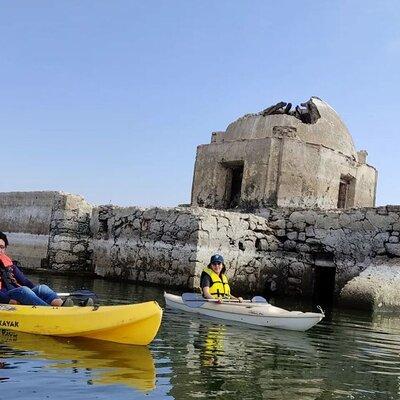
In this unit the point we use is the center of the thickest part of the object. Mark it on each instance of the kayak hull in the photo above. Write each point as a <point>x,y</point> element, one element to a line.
<point>260,314</point>
<point>130,324</point>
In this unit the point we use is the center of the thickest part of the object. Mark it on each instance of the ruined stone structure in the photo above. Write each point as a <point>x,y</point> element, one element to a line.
<point>287,167</point>
<point>302,158</point>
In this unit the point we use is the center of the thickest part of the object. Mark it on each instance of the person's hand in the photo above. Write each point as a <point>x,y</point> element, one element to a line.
<point>12,301</point>
<point>240,299</point>
<point>219,301</point>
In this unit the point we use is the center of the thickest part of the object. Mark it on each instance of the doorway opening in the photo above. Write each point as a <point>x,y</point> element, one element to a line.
<point>233,184</point>
<point>346,193</point>
<point>324,280</point>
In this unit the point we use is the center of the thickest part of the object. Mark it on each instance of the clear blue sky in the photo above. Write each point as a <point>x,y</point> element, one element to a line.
<point>109,99</point>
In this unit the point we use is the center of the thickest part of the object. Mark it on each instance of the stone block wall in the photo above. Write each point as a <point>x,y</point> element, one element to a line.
<point>351,241</point>
<point>277,250</point>
<point>245,241</point>
<point>171,246</point>
<point>69,238</point>
<point>154,245</point>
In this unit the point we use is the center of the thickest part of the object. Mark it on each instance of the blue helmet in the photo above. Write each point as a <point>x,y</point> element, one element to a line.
<point>216,258</point>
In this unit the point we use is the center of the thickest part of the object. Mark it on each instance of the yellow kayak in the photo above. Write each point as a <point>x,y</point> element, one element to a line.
<point>130,324</point>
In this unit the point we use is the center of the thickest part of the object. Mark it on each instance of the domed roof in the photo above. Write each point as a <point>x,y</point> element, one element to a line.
<point>317,123</point>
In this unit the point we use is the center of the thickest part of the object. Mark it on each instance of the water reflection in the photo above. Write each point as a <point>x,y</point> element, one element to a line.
<point>109,363</point>
<point>348,356</point>
<point>221,359</point>
<point>338,359</point>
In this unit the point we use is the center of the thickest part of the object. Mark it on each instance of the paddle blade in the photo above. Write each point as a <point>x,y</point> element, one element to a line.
<point>259,299</point>
<point>193,300</point>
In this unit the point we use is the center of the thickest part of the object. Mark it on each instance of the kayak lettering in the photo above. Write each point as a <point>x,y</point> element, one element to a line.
<point>14,324</point>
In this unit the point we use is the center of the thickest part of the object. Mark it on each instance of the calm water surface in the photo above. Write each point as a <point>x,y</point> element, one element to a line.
<point>350,356</point>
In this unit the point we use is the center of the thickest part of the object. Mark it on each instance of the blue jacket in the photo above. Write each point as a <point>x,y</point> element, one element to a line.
<point>21,279</point>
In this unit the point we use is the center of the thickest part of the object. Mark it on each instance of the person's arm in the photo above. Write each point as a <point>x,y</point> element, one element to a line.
<point>206,292</point>
<point>21,278</point>
<point>205,284</point>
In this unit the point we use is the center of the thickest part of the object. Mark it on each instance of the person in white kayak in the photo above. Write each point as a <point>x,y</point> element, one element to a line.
<point>213,281</point>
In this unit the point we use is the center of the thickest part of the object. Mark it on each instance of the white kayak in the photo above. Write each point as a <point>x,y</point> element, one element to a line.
<point>262,314</point>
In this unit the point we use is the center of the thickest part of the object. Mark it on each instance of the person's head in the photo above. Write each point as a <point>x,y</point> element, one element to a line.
<point>217,263</point>
<point>3,242</point>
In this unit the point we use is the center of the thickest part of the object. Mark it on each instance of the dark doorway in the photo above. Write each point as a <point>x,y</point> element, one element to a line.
<point>324,279</point>
<point>343,187</point>
<point>324,286</point>
<point>234,180</point>
<point>236,186</point>
<point>346,191</point>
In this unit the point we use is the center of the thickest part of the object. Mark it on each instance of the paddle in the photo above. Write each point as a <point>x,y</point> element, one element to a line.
<point>79,293</point>
<point>194,300</point>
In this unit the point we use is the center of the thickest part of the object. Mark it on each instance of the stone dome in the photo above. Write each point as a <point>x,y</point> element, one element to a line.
<point>318,124</point>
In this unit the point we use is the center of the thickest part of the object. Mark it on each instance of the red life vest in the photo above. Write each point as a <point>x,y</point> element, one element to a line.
<point>6,271</point>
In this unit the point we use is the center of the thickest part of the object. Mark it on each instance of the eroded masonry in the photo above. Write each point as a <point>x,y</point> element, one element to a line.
<point>283,194</point>
<point>301,158</point>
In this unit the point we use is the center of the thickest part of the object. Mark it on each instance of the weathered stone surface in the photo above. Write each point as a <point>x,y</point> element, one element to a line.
<point>171,246</point>
<point>70,231</point>
<point>292,235</point>
<point>393,249</point>
<point>287,159</point>
<point>310,232</point>
<point>376,288</point>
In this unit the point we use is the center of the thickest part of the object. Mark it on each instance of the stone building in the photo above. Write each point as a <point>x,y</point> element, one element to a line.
<point>287,158</point>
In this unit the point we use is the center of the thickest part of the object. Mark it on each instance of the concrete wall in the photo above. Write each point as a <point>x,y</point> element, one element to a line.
<point>309,177</point>
<point>25,217</point>
<point>46,229</point>
<point>211,177</point>
<point>27,212</point>
<point>282,171</point>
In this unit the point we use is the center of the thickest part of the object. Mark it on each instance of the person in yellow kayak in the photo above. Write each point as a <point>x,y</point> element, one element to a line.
<point>16,288</point>
<point>213,281</point>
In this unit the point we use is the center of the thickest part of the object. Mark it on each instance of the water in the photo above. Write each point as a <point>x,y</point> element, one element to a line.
<point>350,356</point>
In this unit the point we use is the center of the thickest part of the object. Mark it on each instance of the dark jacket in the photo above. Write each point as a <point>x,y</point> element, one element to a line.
<point>6,286</point>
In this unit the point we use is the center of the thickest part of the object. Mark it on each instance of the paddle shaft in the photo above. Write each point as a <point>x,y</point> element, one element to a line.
<point>193,300</point>
<point>218,301</point>
<point>78,293</point>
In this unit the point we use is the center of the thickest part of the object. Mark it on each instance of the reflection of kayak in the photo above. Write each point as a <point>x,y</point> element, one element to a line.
<point>251,313</point>
<point>110,363</point>
<point>131,324</point>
